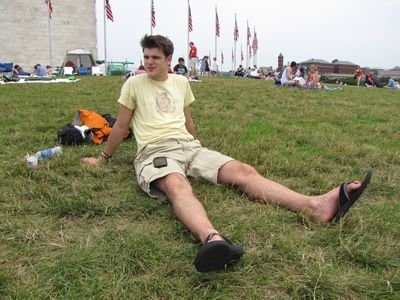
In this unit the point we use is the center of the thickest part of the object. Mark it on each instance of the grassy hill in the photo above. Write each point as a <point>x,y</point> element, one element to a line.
<point>72,231</point>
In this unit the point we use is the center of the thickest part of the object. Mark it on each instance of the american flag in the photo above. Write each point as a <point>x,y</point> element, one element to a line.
<point>153,15</point>
<point>190,23</point>
<point>109,13</point>
<point>222,58</point>
<point>250,51</point>
<point>255,43</point>
<point>236,31</point>
<point>216,24</point>
<point>241,54</point>
<point>248,34</point>
<point>50,7</point>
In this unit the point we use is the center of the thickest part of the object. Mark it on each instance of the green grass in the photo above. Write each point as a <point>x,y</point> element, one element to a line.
<point>72,231</point>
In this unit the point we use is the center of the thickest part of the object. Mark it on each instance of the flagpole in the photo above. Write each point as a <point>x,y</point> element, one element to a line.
<point>234,60</point>
<point>49,29</point>
<point>233,70</point>
<point>222,61</point>
<point>241,53</point>
<point>151,17</point>
<point>254,53</point>
<point>247,45</point>
<point>215,31</point>
<point>188,62</point>
<point>105,38</point>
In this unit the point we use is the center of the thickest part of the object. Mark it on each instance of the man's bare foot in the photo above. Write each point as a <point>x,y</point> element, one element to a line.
<point>212,237</point>
<point>324,207</point>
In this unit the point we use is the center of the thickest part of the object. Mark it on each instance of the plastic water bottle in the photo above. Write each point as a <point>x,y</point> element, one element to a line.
<point>31,161</point>
<point>48,153</point>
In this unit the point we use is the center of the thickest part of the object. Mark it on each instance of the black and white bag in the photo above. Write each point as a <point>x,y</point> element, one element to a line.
<point>70,135</point>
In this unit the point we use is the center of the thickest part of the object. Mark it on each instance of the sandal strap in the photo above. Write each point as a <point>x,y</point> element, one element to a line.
<point>217,233</point>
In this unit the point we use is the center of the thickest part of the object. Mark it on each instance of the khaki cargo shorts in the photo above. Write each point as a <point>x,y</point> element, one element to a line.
<point>193,62</point>
<point>185,158</point>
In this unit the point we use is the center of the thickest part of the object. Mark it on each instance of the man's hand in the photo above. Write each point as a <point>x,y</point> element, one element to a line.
<point>93,160</point>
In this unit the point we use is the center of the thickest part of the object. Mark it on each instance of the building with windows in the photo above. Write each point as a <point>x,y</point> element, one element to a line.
<point>323,66</point>
<point>343,67</point>
<point>334,67</point>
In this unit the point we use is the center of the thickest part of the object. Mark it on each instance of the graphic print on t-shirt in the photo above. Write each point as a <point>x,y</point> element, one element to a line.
<point>164,104</point>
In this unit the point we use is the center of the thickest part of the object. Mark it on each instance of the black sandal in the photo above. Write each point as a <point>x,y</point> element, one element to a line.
<point>217,255</point>
<point>346,199</point>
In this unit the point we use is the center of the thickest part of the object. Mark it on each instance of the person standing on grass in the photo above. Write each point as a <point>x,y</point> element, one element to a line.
<point>157,106</point>
<point>214,67</point>
<point>358,75</point>
<point>193,60</point>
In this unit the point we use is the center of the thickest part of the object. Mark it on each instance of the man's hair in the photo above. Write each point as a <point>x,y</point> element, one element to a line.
<point>293,64</point>
<point>181,59</point>
<point>158,41</point>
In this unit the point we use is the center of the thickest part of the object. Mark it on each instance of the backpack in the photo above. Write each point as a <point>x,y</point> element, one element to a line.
<point>110,119</point>
<point>100,125</point>
<point>69,135</point>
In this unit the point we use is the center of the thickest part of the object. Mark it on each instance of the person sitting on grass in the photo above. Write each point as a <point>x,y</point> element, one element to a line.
<point>369,80</point>
<point>287,78</point>
<point>18,71</point>
<point>38,70</point>
<point>49,70</point>
<point>239,71</point>
<point>313,78</point>
<point>157,106</point>
<point>180,68</point>
<point>393,85</point>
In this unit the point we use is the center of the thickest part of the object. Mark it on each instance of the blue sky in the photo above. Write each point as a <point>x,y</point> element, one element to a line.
<point>365,32</point>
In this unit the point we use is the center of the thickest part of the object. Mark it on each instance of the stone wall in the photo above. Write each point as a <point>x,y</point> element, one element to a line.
<point>24,37</point>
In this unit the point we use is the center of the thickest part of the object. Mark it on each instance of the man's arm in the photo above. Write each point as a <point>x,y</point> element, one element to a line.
<point>116,136</point>
<point>189,122</point>
<point>289,73</point>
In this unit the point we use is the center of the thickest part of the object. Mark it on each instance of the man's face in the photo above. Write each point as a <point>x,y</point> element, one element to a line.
<point>156,64</point>
<point>181,62</point>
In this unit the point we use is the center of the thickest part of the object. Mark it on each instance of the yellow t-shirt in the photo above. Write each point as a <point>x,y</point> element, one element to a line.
<point>158,108</point>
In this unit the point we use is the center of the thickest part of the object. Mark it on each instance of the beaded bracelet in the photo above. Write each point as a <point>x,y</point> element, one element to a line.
<point>106,155</point>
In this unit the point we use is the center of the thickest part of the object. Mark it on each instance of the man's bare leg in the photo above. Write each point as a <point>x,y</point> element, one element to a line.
<point>187,207</point>
<point>322,207</point>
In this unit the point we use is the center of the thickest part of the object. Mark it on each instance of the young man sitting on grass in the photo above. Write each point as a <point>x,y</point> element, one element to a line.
<point>157,106</point>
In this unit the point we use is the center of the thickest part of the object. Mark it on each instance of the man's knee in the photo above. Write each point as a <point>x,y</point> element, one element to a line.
<point>246,171</point>
<point>173,185</point>
<point>237,173</point>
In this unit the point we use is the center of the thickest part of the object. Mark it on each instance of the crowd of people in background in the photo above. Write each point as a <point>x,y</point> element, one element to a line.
<point>38,70</point>
<point>372,81</point>
<point>292,75</point>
